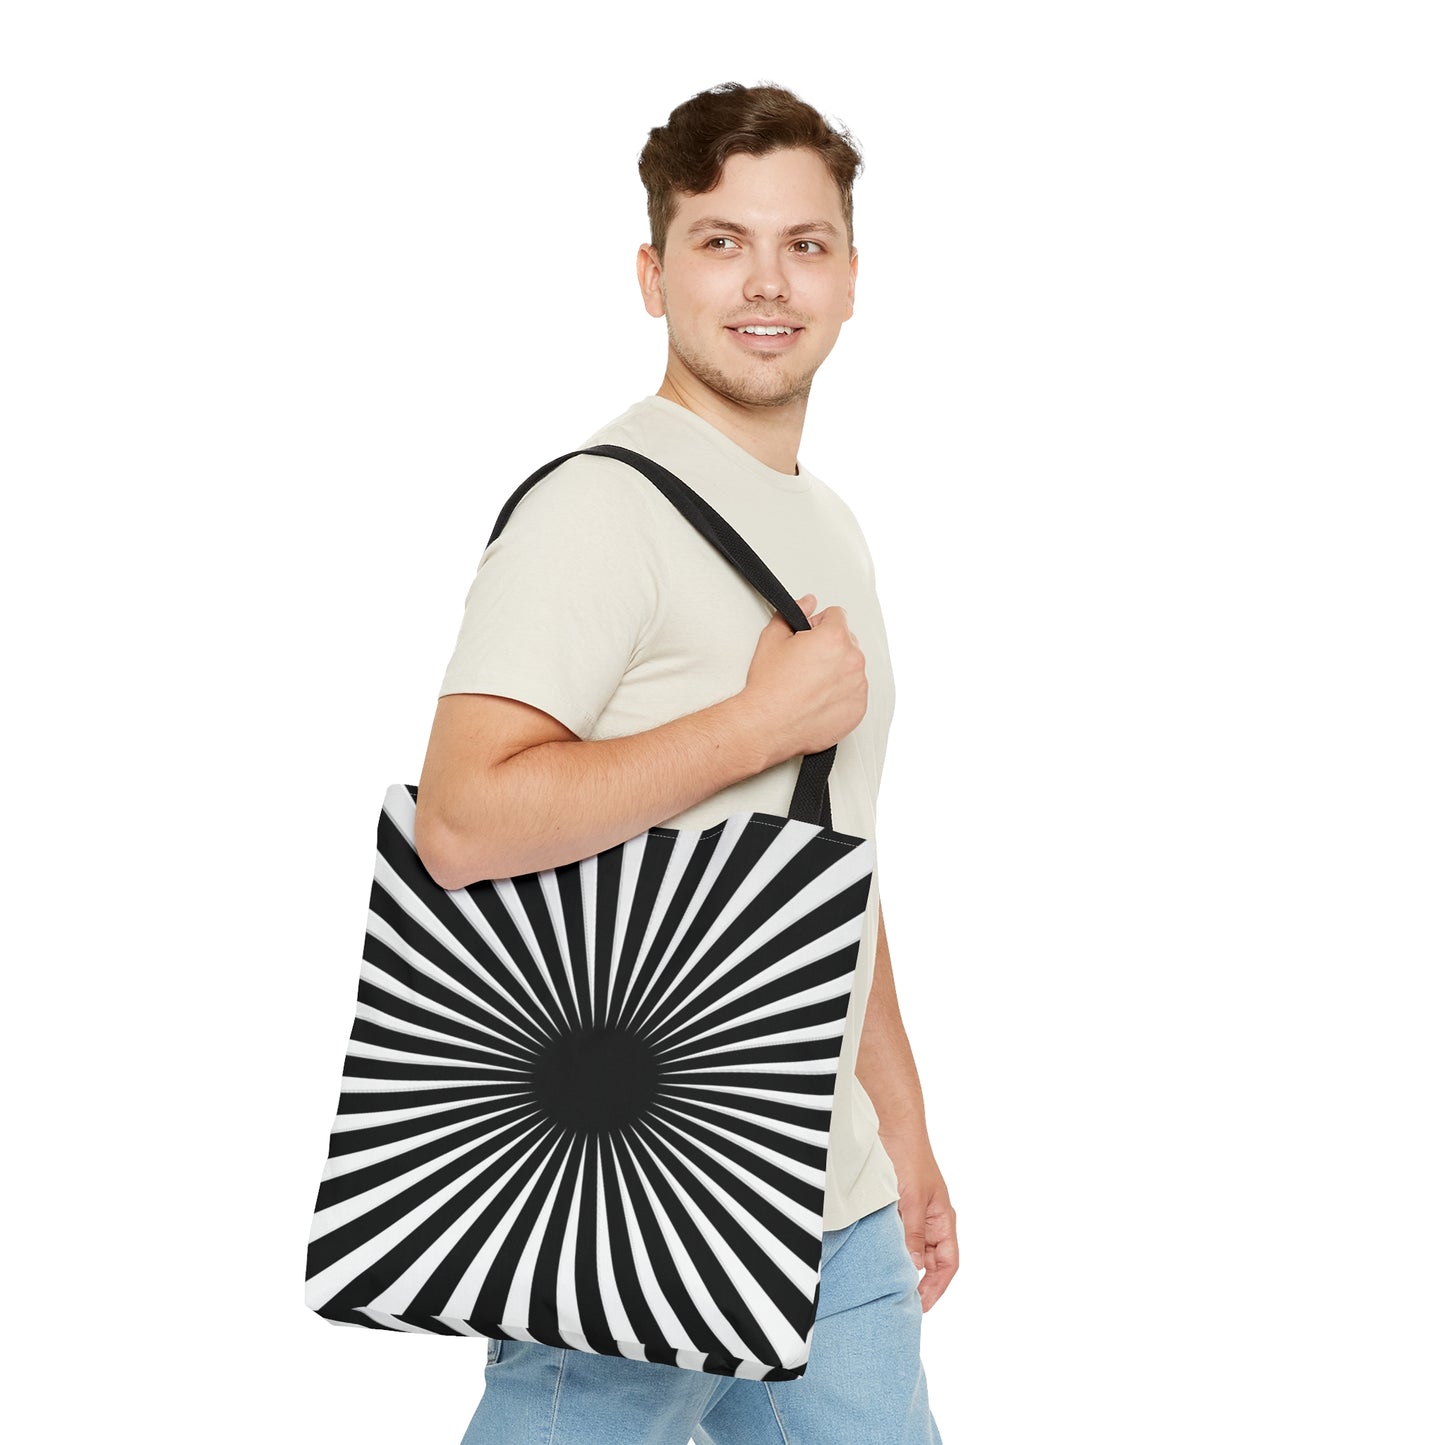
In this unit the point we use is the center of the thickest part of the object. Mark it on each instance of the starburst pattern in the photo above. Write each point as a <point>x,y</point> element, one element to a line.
<point>589,1106</point>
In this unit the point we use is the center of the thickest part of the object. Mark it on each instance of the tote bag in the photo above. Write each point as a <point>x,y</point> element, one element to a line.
<point>589,1106</point>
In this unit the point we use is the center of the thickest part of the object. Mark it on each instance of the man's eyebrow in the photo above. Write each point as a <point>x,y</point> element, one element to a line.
<point>719,223</point>
<point>812,228</point>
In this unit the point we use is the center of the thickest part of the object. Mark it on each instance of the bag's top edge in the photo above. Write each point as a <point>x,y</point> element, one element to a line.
<point>767,820</point>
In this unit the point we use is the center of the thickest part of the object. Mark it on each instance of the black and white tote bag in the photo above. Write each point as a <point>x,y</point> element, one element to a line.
<point>589,1106</point>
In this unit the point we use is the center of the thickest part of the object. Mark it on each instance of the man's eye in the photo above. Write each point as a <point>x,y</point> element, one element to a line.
<point>816,245</point>
<point>721,243</point>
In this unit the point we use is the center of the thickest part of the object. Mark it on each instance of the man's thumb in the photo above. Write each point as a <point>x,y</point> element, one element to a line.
<point>913,1236</point>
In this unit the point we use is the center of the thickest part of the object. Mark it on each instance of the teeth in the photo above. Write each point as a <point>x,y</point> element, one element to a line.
<point>766,330</point>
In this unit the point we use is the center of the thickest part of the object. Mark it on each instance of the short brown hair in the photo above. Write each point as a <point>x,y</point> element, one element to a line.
<point>687,155</point>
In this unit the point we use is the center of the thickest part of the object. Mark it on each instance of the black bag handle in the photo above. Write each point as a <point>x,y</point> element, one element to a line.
<point>810,802</point>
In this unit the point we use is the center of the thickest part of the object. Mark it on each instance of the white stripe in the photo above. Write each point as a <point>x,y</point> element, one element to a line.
<point>345,1123</point>
<point>569,1312</point>
<point>364,1049</point>
<point>760,1304</point>
<point>373,1014</point>
<point>505,891</point>
<point>552,897</point>
<point>519,1296</point>
<point>802,1216</point>
<point>673,1333</point>
<point>587,875</point>
<point>373,974</point>
<point>817,1137</point>
<point>692,1281</point>
<point>463,1301</point>
<point>796,1101</point>
<point>632,854</point>
<point>673,1161</point>
<point>678,859</point>
<point>822,947</point>
<point>383,932</point>
<point>619,1325</point>
<point>691,1122</point>
<point>839,876</point>
<point>763,869</point>
<point>323,1286</point>
<point>364,1158</point>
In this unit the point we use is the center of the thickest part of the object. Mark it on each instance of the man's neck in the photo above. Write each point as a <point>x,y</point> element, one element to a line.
<point>769,433</point>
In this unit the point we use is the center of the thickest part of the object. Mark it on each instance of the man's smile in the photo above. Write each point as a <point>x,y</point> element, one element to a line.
<point>766,335</point>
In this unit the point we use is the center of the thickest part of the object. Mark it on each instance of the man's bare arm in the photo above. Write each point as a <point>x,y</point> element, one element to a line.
<point>507,789</point>
<point>889,1075</point>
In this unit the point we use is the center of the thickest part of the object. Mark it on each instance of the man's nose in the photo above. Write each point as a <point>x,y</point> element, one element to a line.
<point>766,281</point>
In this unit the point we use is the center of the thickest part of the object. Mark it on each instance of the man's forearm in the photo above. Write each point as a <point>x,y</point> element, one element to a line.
<point>886,1070</point>
<point>560,801</point>
<point>885,1066</point>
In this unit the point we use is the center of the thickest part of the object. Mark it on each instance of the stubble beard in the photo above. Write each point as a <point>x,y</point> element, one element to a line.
<point>760,389</point>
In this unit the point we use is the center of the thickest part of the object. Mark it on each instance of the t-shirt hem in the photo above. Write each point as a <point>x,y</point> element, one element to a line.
<point>866,1195</point>
<point>566,713</point>
<point>860,1202</point>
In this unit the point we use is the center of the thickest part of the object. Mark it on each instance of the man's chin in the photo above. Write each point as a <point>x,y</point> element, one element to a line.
<point>760,391</point>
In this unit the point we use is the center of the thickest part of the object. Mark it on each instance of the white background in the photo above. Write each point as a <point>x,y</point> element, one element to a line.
<point>1141,412</point>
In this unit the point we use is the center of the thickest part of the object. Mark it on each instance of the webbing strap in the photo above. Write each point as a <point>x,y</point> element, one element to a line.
<point>810,795</point>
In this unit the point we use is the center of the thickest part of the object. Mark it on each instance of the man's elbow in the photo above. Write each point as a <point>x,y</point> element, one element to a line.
<point>445,852</point>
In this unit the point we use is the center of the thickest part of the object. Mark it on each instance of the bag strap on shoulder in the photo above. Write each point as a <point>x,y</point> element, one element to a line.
<point>810,802</point>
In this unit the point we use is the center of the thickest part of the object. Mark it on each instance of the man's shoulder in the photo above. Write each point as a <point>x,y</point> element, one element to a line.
<point>593,500</point>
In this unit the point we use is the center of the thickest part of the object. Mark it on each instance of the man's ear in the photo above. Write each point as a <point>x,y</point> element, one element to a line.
<point>649,279</point>
<point>852,279</point>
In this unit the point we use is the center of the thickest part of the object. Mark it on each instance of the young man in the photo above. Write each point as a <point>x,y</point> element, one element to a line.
<point>613,673</point>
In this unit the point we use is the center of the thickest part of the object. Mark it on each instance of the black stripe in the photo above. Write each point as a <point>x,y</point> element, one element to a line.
<point>372,1031</point>
<point>645,1329</point>
<point>590,1308</point>
<point>498,1135</point>
<point>471,986</point>
<point>715,1278</point>
<point>365,1101</point>
<point>536,1172</point>
<point>656,854</point>
<point>779,993</point>
<point>790,1301</point>
<point>534,905</point>
<point>702,1108</point>
<point>574,910</point>
<point>609,884</point>
<point>704,989</point>
<point>785,1113</point>
<point>751,843</point>
<point>347,1238</point>
<point>542,1321</point>
<point>500,1036</point>
<point>494,1111</point>
<point>824,1050</point>
<point>699,1333</point>
<point>650,975</point>
<point>809,1196</point>
<point>776,1025</point>
<point>792,1235</point>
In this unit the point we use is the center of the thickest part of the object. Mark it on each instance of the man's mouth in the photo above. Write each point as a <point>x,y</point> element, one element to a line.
<point>766,330</point>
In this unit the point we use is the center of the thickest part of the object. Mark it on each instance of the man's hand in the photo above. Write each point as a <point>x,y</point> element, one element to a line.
<point>929,1223</point>
<point>806,690</point>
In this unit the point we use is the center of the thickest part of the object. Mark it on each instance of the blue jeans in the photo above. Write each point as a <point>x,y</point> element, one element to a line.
<point>864,1384</point>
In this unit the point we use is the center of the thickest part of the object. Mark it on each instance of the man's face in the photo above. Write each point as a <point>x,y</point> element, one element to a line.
<point>766,247</point>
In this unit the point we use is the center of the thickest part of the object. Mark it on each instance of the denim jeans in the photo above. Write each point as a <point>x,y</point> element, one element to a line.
<point>864,1384</point>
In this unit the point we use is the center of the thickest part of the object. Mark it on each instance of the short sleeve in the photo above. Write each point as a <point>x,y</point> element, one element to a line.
<point>566,595</point>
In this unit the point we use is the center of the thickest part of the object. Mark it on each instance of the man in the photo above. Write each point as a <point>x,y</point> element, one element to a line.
<point>613,673</point>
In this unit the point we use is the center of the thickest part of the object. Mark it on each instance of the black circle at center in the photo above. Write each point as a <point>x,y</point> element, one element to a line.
<point>596,1080</point>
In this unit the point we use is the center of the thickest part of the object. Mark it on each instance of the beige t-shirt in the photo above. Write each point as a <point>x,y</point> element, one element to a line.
<point>600,604</point>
